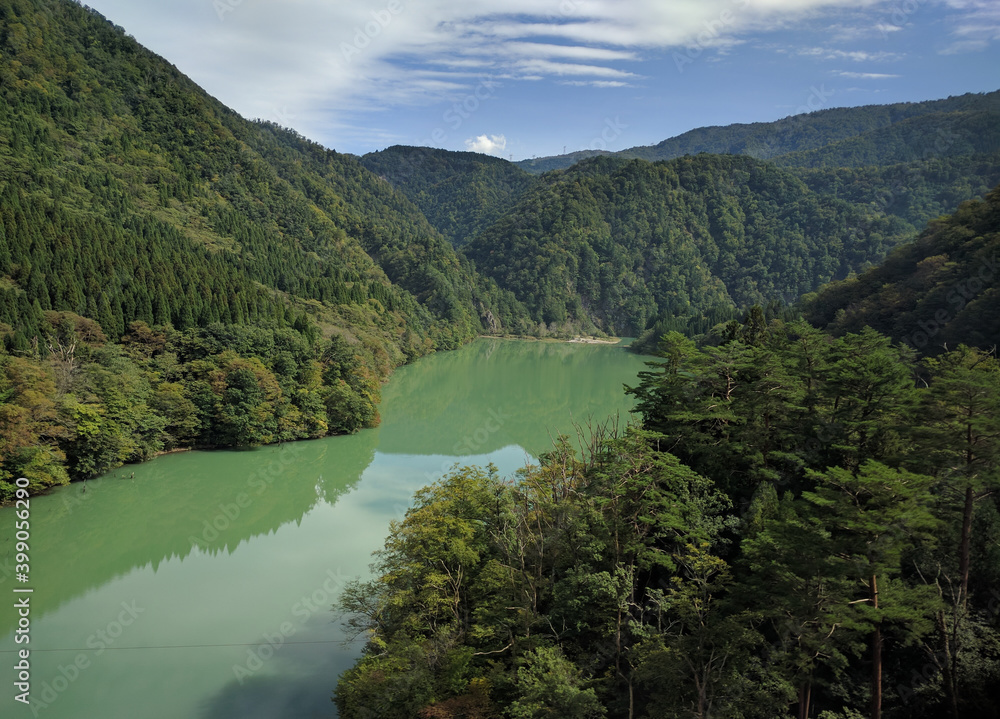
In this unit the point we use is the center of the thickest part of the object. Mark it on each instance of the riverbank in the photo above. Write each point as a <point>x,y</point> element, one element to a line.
<point>574,340</point>
<point>595,340</point>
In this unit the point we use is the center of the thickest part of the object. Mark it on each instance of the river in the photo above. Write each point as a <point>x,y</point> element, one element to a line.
<point>202,586</point>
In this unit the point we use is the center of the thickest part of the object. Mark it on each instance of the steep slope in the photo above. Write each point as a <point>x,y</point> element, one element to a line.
<point>940,289</point>
<point>460,193</point>
<point>99,133</point>
<point>614,244</point>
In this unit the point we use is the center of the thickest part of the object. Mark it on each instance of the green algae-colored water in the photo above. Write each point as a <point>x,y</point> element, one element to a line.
<point>203,586</point>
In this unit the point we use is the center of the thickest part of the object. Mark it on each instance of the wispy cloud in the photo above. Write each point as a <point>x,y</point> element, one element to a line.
<point>559,69</point>
<point>976,24</point>
<point>825,53</point>
<point>324,60</point>
<point>594,83</point>
<point>865,75</point>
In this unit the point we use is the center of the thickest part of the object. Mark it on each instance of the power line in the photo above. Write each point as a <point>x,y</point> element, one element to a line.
<point>175,646</point>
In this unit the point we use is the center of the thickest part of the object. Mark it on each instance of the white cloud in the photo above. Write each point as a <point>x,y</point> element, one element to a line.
<point>594,83</point>
<point>559,69</point>
<point>825,53</point>
<point>573,52</point>
<point>492,145</point>
<point>976,24</point>
<point>866,75</point>
<point>324,60</point>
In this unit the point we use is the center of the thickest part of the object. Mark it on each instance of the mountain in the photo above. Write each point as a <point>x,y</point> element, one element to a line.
<point>174,275</point>
<point>460,193</point>
<point>888,169</point>
<point>98,130</point>
<point>939,290</point>
<point>611,244</point>
<point>882,130</point>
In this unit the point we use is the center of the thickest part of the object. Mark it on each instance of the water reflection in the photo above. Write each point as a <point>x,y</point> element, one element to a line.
<point>224,553</point>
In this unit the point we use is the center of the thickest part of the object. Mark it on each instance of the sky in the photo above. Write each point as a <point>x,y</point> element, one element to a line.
<point>530,78</point>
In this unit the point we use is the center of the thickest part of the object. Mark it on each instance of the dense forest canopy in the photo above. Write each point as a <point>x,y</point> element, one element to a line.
<point>615,244</point>
<point>769,543</point>
<point>460,193</point>
<point>940,290</point>
<point>610,245</point>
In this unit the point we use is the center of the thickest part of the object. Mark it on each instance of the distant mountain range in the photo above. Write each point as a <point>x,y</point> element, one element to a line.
<point>844,136</point>
<point>622,242</point>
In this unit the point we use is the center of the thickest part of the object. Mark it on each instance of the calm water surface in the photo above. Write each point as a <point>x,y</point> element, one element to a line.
<point>203,586</point>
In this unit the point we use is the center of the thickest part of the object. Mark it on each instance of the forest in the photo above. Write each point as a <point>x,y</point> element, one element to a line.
<point>801,525</point>
<point>803,518</point>
<point>938,290</point>
<point>698,229</point>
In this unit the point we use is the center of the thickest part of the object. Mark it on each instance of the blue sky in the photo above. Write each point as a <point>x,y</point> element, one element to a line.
<point>524,78</point>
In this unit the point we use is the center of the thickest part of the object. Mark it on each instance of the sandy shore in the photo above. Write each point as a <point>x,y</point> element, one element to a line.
<point>595,341</point>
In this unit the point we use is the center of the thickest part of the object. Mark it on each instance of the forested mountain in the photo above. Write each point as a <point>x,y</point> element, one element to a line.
<point>603,247</point>
<point>881,128</point>
<point>940,290</point>
<point>916,192</point>
<point>539,165</point>
<point>460,193</point>
<point>135,207</point>
<point>613,244</point>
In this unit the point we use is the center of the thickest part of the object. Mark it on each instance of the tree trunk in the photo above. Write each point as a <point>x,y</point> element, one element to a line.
<point>805,696</point>
<point>963,566</point>
<point>876,656</point>
<point>947,668</point>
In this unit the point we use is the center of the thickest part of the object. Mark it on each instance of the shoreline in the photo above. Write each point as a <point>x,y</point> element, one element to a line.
<point>179,450</point>
<point>574,340</point>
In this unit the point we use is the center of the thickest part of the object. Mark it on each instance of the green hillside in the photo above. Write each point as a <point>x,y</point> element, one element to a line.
<point>460,193</point>
<point>938,290</point>
<point>811,131</point>
<point>614,244</point>
<point>934,135</point>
